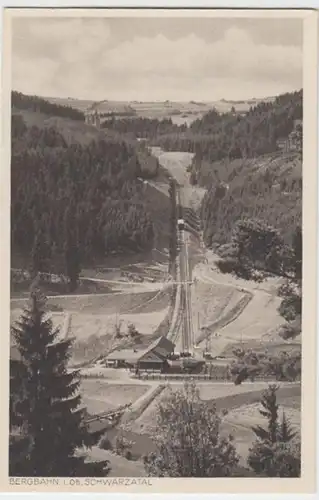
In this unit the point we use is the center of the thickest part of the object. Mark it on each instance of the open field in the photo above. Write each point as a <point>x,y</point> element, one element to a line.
<point>89,330</point>
<point>159,109</point>
<point>111,303</point>
<point>258,322</point>
<point>91,320</point>
<point>100,396</point>
<point>210,303</point>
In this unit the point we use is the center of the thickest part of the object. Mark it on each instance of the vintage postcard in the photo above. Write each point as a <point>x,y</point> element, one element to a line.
<point>158,208</point>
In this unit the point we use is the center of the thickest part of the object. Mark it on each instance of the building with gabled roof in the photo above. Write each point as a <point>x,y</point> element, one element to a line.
<point>153,356</point>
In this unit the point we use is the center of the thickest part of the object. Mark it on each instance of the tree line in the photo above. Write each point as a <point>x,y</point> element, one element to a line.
<point>229,135</point>
<point>139,127</point>
<point>84,202</point>
<point>35,103</point>
<point>249,364</point>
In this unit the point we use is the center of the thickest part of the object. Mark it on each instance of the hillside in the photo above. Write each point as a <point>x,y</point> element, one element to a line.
<point>85,192</point>
<point>268,187</point>
<point>37,104</point>
<point>159,109</point>
<point>231,135</point>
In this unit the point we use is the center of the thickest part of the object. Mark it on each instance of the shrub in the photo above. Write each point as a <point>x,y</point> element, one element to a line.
<point>105,443</point>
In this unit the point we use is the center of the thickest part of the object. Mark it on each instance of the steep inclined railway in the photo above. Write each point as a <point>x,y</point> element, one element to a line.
<point>187,337</point>
<point>181,330</point>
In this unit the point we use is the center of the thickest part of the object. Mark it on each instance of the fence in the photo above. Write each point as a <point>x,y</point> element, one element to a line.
<point>181,377</point>
<point>201,377</point>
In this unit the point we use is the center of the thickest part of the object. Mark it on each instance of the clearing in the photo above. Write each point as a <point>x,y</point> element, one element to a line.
<point>257,319</point>
<point>92,319</point>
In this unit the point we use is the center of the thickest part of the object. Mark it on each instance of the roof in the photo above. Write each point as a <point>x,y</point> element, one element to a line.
<point>159,349</point>
<point>125,355</point>
<point>162,343</point>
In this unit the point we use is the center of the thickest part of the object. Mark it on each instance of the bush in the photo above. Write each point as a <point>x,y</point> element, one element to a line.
<point>105,443</point>
<point>188,439</point>
<point>275,460</point>
<point>122,445</point>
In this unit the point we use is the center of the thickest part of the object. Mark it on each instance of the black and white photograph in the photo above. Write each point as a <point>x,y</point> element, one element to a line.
<point>156,247</point>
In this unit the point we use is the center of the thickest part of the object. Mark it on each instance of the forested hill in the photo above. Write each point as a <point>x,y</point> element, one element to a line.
<point>37,104</point>
<point>255,179</point>
<point>267,188</point>
<point>75,203</point>
<point>149,128</point>
<point>217,136</point>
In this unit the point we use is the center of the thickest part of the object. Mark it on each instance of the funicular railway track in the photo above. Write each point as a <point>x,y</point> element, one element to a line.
<point>185,313</point>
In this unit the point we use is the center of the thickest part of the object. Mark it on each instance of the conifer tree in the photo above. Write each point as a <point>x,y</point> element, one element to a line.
<point>270,412</point>
<point>275,453</point>
<point>45,409</point>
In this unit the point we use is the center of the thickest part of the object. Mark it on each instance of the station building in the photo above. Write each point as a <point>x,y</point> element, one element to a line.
<point>154,357</point>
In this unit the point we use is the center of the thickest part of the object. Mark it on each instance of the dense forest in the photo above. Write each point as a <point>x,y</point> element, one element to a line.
<point>267,188</point>
<point>34,103</point>
<point>148,128</point>
<point>255,181</point>
<point>84,201</point>
<point>236,159</point>
<point>217,136</point>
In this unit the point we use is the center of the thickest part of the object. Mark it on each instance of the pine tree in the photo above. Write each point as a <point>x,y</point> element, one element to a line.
<point>285,432</point>
<point>275,453</point>
<point>45,409</point>
<point>270,412</point>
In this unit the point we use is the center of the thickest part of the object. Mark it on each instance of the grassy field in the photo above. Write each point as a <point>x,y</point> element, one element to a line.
<point>100,396</point>
<point>210,303</point>
<point>111,303</point>
<point>92,318</point>
<point>178,111</point>
<point>259,321</point>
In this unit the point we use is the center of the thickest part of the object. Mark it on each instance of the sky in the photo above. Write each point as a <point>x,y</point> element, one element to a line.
<point>203,59</point>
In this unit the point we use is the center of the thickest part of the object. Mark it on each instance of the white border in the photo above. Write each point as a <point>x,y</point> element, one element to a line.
<point>186,4</point>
